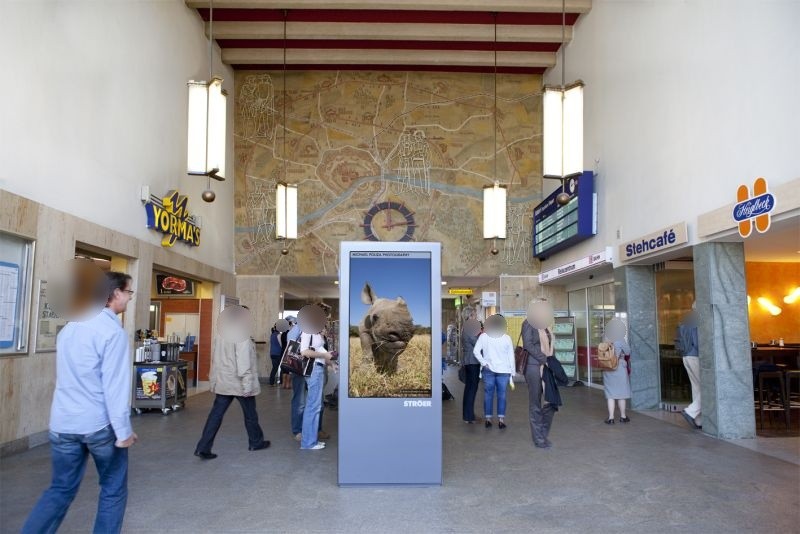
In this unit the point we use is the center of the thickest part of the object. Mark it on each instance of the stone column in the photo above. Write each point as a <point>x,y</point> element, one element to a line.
<point>635,296</point>
<point>726,374</point>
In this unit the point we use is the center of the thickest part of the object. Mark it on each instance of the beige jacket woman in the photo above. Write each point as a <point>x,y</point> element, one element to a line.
<point>234,368</point>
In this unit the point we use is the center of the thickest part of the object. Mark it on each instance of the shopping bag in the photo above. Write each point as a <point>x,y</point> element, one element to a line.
<point>293,362</point>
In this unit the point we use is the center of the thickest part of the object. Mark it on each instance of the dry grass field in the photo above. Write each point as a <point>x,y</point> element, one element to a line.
<point>413,377</point>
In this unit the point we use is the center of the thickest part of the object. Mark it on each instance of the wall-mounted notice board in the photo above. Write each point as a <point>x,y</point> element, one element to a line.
<point>16,270</point>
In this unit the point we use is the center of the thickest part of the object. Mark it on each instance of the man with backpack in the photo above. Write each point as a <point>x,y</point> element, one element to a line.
<point>686,342</point>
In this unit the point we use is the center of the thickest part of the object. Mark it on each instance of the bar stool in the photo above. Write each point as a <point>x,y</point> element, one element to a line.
<point>792,396</point>
<point>765,404</point>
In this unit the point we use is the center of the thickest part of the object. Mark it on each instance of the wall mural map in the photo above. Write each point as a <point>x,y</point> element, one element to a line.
<point>385,156</point>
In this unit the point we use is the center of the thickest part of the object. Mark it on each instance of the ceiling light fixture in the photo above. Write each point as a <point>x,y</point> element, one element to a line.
<point>494,196</point>
<point>562,135</point>
<point>769,306</point>
<point>793,296</point>
<point>285,194</point>
<point>207,122</point>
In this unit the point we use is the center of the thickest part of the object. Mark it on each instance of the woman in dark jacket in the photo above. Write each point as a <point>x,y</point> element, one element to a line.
<point>275,353</point>
<point>537,339</point>
<point>472,368</point>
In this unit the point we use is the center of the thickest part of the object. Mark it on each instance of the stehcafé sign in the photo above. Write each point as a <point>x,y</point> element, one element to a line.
<point>170,216</point>
<point>663,239</point>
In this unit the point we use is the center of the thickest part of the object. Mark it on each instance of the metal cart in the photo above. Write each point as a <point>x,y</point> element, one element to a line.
<point>159,385</point>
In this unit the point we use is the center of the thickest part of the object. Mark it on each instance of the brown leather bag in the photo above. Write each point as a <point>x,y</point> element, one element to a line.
<point>520,357</point>
<point>607,359</point>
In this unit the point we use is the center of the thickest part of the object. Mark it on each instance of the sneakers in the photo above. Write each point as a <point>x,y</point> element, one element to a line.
<point>319,445</point>
<point>298,436</point>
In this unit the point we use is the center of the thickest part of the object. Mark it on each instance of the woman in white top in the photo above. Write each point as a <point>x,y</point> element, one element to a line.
<point>495,353</point>
<point>312,346</point>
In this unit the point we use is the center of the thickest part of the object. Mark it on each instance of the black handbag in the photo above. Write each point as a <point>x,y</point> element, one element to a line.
<point>462,374</point>
<point>294,362</point>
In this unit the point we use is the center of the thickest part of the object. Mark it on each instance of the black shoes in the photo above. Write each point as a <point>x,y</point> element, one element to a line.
<point>690,420</point>
<point>263,445</point>
<point>501,425</point>
<point>609,421</point>
<point>488,424</point>
<point>205,455</point>
<point>624,419</point>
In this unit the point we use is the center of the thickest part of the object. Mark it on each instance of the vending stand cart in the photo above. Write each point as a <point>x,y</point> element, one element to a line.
<point>159,385</point>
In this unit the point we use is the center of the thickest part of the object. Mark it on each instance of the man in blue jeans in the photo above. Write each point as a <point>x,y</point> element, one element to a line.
<point>90,415</point>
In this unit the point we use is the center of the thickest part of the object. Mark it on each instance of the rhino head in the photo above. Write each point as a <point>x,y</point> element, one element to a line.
<point>385,330</point>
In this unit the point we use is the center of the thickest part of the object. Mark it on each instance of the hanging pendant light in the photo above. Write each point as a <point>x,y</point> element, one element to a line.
<point>562,131</point>
<point>285,193</point>
<point>207,122</point>
<point>494,196</point>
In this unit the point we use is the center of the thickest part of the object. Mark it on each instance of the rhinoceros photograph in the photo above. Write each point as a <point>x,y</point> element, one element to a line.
<point>390,327</point>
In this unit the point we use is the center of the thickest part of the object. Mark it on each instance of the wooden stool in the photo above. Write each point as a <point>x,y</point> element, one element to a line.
<point>769,406</point>
<point>792,396</point>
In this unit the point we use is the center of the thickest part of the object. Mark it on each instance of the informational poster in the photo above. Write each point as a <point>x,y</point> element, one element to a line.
<point>48,323</point>
<point>9,302</point>
<point>390,324</point>
<point>390,306</point>
<point>149,382</point>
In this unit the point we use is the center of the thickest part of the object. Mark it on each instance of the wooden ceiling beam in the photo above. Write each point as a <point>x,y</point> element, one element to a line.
<point>406,32</point>
<point>542,6</point>
<point>274,56</point>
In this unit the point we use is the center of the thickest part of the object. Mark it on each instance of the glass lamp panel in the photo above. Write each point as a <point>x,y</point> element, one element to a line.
<point>573,130</point>
<point>280,211</point>
<point>196,128</point>
<point>217,105</point>
<point>551,132</point>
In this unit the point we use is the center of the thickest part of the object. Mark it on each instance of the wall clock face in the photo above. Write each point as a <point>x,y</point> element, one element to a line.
<point>389,221</point>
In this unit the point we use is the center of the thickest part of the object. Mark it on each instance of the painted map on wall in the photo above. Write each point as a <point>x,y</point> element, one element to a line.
<point>385,156</point>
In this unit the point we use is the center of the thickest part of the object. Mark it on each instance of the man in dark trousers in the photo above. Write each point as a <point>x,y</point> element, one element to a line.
<point>537,339</point>
<point>90,415</point>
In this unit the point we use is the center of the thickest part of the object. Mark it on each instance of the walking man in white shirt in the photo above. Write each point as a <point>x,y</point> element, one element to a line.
<point>90,414</point>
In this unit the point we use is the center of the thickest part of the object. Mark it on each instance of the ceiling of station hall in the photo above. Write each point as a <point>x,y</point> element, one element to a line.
<point>420,35</point>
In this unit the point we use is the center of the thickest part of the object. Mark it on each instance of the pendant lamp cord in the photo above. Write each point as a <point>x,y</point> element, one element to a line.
<point>208,86</point>
<point>563,85</point>
<point>495,98</point>
<point>285,16</point>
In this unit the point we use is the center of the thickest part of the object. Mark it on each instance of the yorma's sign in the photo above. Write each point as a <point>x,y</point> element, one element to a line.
<point>656,242</point>
<point>170,216</point>
<point>753,210</point>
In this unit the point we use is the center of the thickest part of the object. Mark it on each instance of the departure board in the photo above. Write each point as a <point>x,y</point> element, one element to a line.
<point>558,227</point>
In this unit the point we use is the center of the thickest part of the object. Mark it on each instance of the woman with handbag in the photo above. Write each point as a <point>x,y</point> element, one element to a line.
<point>617,382</point>
<point>313,346</point>
<point>537,340</point>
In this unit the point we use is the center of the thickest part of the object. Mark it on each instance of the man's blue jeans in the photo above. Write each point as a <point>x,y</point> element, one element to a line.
<point>494,382</point>
<point>298,402</point>
<point>69,453</point>
<point>313,408</point>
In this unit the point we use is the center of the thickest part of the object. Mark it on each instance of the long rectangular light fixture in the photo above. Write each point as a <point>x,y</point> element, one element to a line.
<point>494,211</point>
<point>286,211</point>
<point>206,129</point>
<point>562,143</point>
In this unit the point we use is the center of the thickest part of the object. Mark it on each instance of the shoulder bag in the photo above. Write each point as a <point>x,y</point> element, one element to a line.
<point>294,362</point>
<point>520,356</point>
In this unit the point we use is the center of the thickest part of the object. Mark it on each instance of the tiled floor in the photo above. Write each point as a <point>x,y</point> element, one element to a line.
<point>648,476</point>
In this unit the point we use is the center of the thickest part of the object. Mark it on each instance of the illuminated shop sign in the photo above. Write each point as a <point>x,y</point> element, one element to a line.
<point>558,227</point>
<point>592,260</point>
<point>656,242</point>
<point>753,210</point>
<point>459,291</point>
<point>170,216</point>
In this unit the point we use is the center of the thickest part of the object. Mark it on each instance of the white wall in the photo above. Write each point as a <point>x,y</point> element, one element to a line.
<point>684,101</point>
<point>94,106</point>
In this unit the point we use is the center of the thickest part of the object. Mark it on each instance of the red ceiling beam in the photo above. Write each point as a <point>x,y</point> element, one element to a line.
<point>366,44</point>
<point>388,16</point>
<point>395,68</point>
